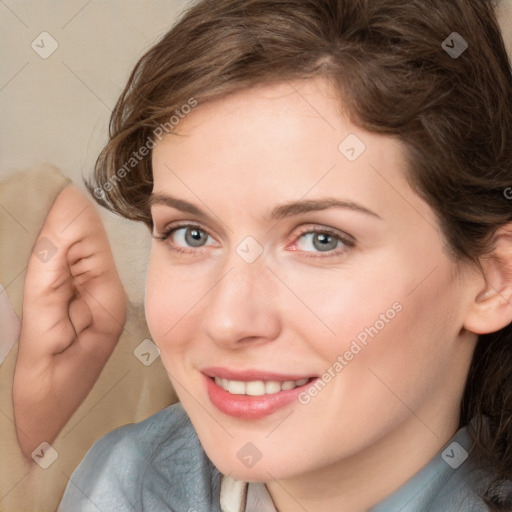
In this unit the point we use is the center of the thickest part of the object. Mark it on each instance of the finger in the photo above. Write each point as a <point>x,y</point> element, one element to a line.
<point>48,267</point>
<point>48,282</point>
<point>80,315</point>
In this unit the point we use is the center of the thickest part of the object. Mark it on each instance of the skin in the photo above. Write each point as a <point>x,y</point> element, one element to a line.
<point>74,309</point>
<point>295,309</point>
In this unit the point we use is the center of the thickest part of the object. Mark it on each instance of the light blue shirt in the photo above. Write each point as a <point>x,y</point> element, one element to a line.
<point>159,465</point>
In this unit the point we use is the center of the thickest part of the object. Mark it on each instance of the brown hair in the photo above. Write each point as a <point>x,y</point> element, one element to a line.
<point>452,113</point>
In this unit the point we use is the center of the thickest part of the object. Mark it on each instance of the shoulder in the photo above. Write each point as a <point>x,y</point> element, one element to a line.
<point>157,464</point>
<point>467,488</point>
<point>455,480</point>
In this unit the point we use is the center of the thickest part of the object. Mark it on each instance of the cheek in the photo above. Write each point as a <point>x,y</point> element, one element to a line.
<point>174,297</point>
<point>341,307</point>
<point>155,297</point>
<point>382,320</point>
<point>406,347</point>
<point>167,299</point>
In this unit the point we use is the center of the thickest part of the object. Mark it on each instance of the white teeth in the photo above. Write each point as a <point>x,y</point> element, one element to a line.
<point>288,384</point>
<point>258,387</point>
<point>236,387</point>
<point>255,388</point>
<point>272,386</point>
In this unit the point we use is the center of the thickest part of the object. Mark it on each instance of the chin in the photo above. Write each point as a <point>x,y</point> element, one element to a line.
<point>259,473</point>
<point>263,470</point>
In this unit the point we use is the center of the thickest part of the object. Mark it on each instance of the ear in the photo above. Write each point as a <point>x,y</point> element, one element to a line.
<point>491,308</point>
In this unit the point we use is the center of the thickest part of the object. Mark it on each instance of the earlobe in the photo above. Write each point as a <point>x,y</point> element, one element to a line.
<point>491,309</point>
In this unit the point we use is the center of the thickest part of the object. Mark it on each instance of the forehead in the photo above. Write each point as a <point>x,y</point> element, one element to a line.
<point>278,142</point>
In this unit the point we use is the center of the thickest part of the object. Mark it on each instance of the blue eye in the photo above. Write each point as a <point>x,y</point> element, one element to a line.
<point>190,236</point>
<point>322,242</point>
<point>183,237</point>
<point>312,242</point>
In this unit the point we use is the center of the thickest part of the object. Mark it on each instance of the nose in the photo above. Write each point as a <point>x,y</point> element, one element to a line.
<point>243,305</point>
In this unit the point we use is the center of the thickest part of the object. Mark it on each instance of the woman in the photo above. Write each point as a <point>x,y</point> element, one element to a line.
<point>330,280</point>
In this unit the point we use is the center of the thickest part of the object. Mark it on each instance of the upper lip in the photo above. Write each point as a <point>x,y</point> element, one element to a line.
<point>252,374</point>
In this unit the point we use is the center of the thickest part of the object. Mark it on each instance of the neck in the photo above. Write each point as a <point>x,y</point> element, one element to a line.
<point>358,483</point>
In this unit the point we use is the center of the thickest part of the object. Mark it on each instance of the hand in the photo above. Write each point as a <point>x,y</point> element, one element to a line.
<point>74,309</point>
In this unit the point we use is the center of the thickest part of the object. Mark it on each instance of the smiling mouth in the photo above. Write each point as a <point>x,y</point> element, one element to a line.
<point>252,399</point>
<point>258,387</point>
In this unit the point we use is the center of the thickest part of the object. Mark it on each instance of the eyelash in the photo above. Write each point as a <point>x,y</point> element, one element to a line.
<point>348,242</point>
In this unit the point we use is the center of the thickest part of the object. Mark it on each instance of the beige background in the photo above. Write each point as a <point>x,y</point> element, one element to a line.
<point>57,109</point>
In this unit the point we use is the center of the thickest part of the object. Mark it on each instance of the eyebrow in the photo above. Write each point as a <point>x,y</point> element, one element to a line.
<point>279,212</point>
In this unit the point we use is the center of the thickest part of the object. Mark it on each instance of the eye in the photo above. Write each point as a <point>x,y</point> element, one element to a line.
<point>180,238</point>
<point>320,241</point>
<point>191,236</point>
<point>323,240</point>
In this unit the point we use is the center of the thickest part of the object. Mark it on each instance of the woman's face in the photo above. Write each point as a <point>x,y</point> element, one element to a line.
<point>304,304</point>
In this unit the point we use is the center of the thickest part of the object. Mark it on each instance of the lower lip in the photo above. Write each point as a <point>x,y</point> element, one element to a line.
<point>250,407</point>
